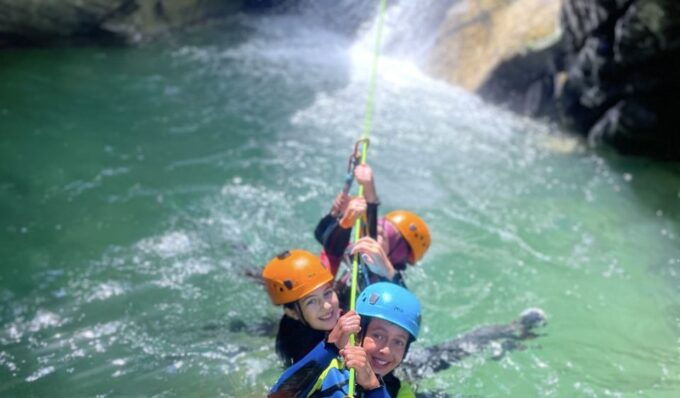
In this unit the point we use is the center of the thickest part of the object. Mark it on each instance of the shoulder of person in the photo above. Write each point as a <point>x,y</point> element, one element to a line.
<point>406,391</point>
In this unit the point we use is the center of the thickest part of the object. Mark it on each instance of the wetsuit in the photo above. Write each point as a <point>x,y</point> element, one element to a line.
<point>335,240</point>
<point>322,374</point>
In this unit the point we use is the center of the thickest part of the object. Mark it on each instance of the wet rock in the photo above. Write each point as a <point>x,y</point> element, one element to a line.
<point>263,328</point>
<point>477,36</point>
<point>622,74</point>
<point>499,339</point>
<point>433,394</point>
<point>32,21</point>
<point>612,77</point>
<point>526,83</point>
<point>623,123</point>
<point>40,22</point>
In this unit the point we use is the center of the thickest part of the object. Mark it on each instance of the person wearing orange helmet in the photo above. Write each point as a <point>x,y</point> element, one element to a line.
<point>398,239</point>
<point>298,281</point>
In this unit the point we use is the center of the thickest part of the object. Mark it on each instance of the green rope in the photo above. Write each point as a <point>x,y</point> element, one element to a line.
<point>368,124</point>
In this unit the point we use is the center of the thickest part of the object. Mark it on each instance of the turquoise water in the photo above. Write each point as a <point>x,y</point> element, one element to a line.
<point>136,185</point>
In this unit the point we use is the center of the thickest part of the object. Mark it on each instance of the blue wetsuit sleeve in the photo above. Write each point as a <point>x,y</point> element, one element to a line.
<point>320,357</point>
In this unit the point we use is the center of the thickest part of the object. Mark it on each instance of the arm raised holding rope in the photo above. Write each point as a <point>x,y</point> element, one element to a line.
<point>340,205</point>
<point>334,230</point>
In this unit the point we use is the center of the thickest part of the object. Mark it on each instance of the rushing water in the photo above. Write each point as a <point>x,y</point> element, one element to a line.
<point>136,186</point>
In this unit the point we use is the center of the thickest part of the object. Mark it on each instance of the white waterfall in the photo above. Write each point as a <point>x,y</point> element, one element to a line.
<point>410,26</point>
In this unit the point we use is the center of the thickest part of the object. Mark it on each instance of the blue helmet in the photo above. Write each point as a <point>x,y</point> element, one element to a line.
<point>391,303</point>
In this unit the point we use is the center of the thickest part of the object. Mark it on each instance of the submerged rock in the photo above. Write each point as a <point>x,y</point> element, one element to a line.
<point>424,361</point>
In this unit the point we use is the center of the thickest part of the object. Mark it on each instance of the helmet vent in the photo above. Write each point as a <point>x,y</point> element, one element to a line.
<point>288,283</point>
<point>283,255</point>
<point>374,298</point>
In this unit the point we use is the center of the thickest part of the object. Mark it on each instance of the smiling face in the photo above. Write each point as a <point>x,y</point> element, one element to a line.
<point>320,308</point>
<point>385,344</point>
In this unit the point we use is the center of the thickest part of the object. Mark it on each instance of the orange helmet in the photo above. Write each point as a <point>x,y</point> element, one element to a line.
<point>293,274</point>
<point>414,230</point>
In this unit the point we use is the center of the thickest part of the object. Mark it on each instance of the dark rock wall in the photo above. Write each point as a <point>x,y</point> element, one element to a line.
<point>526,83</point>
<point>33,21</point>
<point>623,76</point>
<point>614,76</point>
<point>44,22</point>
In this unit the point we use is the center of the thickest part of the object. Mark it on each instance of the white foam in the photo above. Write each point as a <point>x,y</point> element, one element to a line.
<point>44,319</point>
<point>106,290</point>
<point>40,373</point>
<point>177,274</point>
<point>170,245</point>
<point>6,360</point>
<point>98,331</point>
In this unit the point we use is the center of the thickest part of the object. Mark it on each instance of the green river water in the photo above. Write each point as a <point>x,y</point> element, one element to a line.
<point>137,184</point>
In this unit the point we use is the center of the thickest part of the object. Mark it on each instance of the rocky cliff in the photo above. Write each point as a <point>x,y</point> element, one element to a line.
<point>39,22</point>
<point>478,35</point>
<point>608,70</point>
<point>621,75</point>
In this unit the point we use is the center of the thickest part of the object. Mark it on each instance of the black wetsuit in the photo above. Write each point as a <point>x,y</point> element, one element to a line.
<point>335,241</point>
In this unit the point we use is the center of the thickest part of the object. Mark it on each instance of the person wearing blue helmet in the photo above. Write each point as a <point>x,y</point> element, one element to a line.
<point>387,321</point>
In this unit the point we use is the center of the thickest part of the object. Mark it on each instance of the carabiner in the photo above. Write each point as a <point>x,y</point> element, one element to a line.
<point>357,150</point>
<point>352,163</point>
